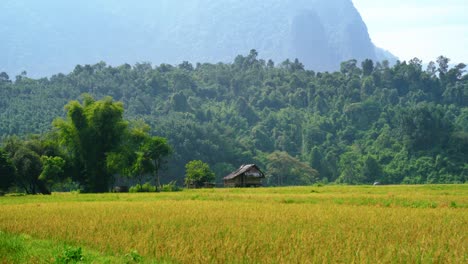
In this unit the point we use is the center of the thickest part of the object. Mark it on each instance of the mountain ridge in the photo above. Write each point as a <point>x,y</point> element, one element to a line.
<point>51,36</point>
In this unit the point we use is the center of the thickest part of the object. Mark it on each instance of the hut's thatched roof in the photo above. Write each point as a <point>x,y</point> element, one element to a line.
<point>243,169</point>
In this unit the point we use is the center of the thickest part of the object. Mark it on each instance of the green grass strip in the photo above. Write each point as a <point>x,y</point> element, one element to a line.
<point>26,249</point>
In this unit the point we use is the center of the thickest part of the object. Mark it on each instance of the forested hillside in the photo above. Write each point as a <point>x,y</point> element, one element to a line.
<point>367,122</point>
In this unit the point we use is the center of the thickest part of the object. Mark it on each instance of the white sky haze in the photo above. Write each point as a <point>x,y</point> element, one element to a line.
<point>418,28</point>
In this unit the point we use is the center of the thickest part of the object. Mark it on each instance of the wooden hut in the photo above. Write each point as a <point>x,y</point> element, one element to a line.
<point>246,176</point>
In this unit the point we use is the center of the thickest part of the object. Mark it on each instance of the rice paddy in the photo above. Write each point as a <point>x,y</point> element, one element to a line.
<point>329,224</point>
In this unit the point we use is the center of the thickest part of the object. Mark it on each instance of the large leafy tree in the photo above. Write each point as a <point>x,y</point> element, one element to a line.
<point>92,130</point>
<point>282,169</point>
<point>140,154</point>
<point>155,150</point>
<point>36,162</point>
<point>29,167</point>
<point>128,160</point>
<point>7,172</point>
<point>197,173</point>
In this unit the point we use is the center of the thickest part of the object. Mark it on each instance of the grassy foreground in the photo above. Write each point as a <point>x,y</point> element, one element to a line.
<point>333,224</point>
<point>25,249</point>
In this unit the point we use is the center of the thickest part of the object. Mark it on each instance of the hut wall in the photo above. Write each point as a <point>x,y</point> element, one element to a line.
<point>253,181</point>
<point>243,181</point>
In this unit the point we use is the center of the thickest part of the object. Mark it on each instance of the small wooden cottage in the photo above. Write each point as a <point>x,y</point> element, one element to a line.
<point>246,176</point>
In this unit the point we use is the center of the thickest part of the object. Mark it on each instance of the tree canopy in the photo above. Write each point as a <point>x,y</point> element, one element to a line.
<point>370,121</point>
<point>197,173</point>
<point>90,132</point>
<point>7,171</point>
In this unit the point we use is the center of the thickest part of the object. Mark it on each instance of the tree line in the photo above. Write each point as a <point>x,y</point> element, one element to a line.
<point>368,122</point>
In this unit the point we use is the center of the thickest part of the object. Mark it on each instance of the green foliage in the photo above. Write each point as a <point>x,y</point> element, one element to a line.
<point>371,170</point>
<point>170,187</point>
<point>25,249</point>
<point>91,131</point>
<point>140,154</point>
<point>146,187</point>
<point>134,257</point>
<point>52,168</point>
<point>27,163</point>
<point>70,255</point>
<point>36,162</point>
<point>156,150</point>
<point>7,172</point>
<point>10,247</point>
<point>197,173</point>
<point>282,169</point>
<point>350,166</point>
<point>379,122</point>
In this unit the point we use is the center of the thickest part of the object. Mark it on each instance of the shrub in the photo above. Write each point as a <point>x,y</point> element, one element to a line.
<point>147,187</point>
<point>170,187</point>
<point>70,255</point>
<point>134,257</point>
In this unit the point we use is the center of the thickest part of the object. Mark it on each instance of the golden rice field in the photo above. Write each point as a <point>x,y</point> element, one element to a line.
<point>329,224</point>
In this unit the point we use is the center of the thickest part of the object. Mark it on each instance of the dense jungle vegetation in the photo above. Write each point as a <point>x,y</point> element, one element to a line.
<point>367,122</point>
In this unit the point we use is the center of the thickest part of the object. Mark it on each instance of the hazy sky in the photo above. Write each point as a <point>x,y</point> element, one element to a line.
<point>418,28</point>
